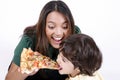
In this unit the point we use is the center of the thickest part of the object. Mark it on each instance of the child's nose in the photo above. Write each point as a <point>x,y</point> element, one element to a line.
<point>58,60</point>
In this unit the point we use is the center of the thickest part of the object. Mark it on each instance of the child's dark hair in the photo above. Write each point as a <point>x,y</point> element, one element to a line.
<point>83,52</point>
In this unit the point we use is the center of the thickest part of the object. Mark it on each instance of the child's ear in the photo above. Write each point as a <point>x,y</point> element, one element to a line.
<point>77,70</point>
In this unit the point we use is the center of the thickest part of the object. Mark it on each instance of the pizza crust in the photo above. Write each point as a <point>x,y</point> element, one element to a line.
<point>31,61</point>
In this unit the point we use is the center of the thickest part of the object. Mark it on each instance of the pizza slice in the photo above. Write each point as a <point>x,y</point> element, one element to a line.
<point>31,60</point>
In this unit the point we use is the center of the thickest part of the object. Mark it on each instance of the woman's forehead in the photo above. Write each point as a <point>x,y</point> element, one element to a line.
<point>56,17</point>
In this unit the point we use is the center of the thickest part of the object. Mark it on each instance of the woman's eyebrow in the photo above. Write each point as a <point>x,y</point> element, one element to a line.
<point>50,22</point>
<point>65,22</point>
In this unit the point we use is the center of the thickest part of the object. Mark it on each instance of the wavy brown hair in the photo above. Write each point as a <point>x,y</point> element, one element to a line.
<point>39,28</point>
<point>83,52</point>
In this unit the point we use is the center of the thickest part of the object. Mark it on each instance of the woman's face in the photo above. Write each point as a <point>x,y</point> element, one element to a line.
<point>66,67</point>
<point>57,28</point>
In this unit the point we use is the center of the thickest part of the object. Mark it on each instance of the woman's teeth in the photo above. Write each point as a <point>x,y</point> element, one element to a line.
<point>57,39</point>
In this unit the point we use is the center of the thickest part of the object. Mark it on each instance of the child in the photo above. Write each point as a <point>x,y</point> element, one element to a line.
<point>80,58</point>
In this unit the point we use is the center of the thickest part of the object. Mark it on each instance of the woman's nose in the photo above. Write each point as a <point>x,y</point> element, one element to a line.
<point>58,31</point>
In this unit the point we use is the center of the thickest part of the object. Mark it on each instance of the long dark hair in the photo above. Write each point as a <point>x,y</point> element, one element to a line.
<point>39,28</point>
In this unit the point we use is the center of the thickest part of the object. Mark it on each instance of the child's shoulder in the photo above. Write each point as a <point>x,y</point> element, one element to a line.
<point>97,76</point>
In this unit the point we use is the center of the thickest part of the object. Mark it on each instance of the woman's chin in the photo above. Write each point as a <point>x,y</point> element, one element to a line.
<point>56,46</point>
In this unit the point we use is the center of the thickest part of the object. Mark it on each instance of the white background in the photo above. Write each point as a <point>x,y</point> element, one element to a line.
<point>98,18</point>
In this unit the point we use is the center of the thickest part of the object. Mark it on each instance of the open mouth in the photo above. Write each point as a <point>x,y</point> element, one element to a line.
<point>57,39</point>
<point>60,68</point>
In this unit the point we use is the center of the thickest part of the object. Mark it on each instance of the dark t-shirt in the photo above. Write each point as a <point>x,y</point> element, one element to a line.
<point>42,74</point>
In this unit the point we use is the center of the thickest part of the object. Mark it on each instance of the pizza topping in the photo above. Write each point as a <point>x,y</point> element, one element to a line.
<point>31,60</point>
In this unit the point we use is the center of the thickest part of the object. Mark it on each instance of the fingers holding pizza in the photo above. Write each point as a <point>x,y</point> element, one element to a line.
<point>32,61</point>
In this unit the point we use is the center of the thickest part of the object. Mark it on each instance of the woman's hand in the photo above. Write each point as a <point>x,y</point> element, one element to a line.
<point>15,73</point>
<point>29,74</point>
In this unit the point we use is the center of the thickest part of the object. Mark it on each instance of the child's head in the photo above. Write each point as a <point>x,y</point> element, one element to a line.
<point>79,52</point>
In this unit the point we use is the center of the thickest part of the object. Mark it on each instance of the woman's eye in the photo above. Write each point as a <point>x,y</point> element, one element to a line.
<point>65,27</point>
<point>51,27</point>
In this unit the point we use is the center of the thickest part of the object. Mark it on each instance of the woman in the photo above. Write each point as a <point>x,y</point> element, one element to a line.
<point>54,25</point>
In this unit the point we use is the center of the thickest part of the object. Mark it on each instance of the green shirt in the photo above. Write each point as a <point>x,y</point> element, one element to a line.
<point>28,42</point>
<point>42,74</point>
